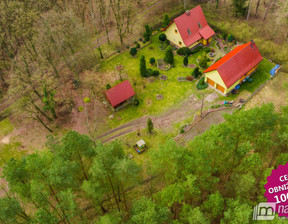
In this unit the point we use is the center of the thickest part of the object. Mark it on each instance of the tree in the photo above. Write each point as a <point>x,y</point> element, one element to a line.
<point>185,61</point>
<point>214,205</point>
<point>162,37</point>
<point>143,72</point>
<point>166,21</point>
<point>169,56</point>
<point>148,33</point>
<point>133,51</point>
<point>192,215</point>
<point>145,211</point>
<point>196,73</point>
<point>150,125</point>
<point>203,62</point>
<point>152,61</point>
<point>230,38</point>
<point>240,7</point>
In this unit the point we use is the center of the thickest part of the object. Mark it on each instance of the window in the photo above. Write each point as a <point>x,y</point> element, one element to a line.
<point>189,32</point>
<point>176,31</point>
<point>180,43</point>
<point>199,24</point>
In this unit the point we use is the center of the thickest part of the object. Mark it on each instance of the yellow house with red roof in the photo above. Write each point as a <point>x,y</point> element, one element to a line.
<point>233,68</point>
<point>189,29</point>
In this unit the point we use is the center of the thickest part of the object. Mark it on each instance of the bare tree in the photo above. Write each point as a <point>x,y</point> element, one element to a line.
<point>249,9</point>
<point>267,10</point>
<point>257,7</point>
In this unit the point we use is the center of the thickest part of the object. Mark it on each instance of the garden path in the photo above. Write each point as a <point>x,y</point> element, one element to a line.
<point>164,121</point>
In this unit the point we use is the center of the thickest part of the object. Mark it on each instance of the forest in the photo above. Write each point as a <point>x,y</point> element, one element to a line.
<point>47,49</point>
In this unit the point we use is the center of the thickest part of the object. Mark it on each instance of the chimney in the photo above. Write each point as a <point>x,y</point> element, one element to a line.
<point>187,12</point>
<point>252,43</point>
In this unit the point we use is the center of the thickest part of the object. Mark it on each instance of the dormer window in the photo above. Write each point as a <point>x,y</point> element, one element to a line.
<point>199,24</point>
<point>189,32</point>
<point>176,31</point>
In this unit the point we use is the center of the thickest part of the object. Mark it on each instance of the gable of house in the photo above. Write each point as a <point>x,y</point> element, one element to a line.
<point>193,26</point>
<point>237,63</point>
<point>174,36</point>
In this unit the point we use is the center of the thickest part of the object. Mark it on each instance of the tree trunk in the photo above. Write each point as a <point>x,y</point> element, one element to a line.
<point>113,192</point>
<point>249,9</point>
<point>269,5</point>
<point>257,6</point>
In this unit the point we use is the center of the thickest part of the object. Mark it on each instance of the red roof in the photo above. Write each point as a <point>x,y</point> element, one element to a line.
<point>119,93</point>
<point>237,63</point>
<point>194,26</point>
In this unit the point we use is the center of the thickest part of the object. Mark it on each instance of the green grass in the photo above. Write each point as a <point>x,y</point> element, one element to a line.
<point>260,76</point>
<point>5,127</point>
<point>11,150</point>
<point>172,90</point>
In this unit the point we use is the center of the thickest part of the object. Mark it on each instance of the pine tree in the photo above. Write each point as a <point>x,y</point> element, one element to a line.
<point>150,125</point>
<point>185,61</point>
<point>166,21</point>
<point>143,66</point>
<point>148,33</point>
<point>169,56</point>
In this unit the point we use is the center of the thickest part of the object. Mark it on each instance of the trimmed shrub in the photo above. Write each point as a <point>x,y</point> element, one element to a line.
<point>202,84</point>
<point>143,66</point>
<point>230,38</point>
<point>135,102</point>
<point>196,50</point>
<point>162,37</point>
<point>148,33</point>
<point>169,56</point>
<point>183,51</point>
<point>185,61</point>
<point>196,73</point>
<point>138,46</point>
<point>203,62</point>
<point>133,51</point>
<point>189,78</point>
<point>140,39</point>
<point>152,61</point>
<point>149,72</point>
<point>155,73</point>
<point>108,86</point>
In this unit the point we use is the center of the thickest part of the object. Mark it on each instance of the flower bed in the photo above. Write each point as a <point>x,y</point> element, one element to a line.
<point>161,64</point>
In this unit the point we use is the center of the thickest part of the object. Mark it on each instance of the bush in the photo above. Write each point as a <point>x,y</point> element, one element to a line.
<point>142,66</point>
<point>87,100</point>
<point>140,39</point>
<point>138,46</point>
<point>133,51</point>
<point>196,73</point>
<point>208,59</point>
<point>185,61</point>
<point>80,109</point>
<point>182,131</point>
<point>166,21</point>
<point>135,42</point>
<point>224,36</point>
<point>230,38</point>
<point>149,72</point>
<point>143,41</point>
<point>207,49</point>
<point>162,37</point>
<point>108,86</point>
<point>203,62</point>
<point>152,61</point>
<point>202,84</point>
<point>212,50</point>
<point>148,33</point>
<point>135,102</point>
<point>183,51</point>
<point>196,50</point>
<point>189,78</point>
<point>169,56</point>
<point>127,47</point>
<point>155,73</point>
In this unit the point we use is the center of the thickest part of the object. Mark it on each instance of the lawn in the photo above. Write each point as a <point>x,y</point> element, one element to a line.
<point>147,89</point>
<point>5,127</point>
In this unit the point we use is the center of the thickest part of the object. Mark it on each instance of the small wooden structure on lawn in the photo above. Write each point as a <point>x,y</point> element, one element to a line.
<point>120,95</point>
<point>140,146</point>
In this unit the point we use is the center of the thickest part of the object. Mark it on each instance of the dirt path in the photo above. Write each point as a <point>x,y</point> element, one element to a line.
<point>165,121</point>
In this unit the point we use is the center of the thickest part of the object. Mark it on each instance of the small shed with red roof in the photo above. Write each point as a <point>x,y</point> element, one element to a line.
<point>233,68</point>
<point>190,29</point>
<point>119,94</point>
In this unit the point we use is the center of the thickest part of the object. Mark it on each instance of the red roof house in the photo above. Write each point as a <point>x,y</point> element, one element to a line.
<point>119,94</point>
<point>234,67</point>
<point>189,29</point>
